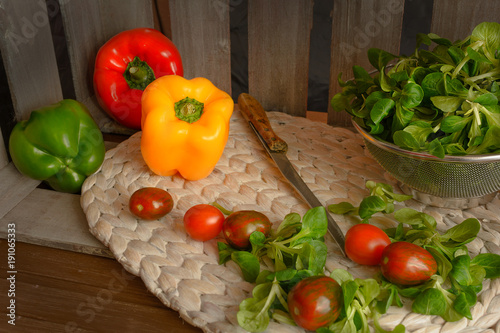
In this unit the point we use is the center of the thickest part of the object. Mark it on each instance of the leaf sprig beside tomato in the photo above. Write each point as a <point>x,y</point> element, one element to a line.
<point>381,199</point>
<point>456,268</point>
<point>294,244</point>
<point>363,299</point>
<point>448,284</point>
<point>297,251</point>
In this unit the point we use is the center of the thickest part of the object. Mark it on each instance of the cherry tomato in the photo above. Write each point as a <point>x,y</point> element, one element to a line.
<point>150,203</point>
<point>239,225</point>
<point>203,222</point>
<point>315,302</point>
<point>364,243</point>
<point>407,264</point>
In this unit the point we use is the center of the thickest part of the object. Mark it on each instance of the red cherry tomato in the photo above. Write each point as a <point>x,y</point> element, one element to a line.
<point>150,203</point>
<point>364,243</point>
<point>315,302</point>
<point>239,225</point>
<point>407,264</point>
<point>203,222</point>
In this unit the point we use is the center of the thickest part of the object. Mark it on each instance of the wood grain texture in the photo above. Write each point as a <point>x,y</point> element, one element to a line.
<point>61,291</point>
<point>455,20</point>
<point>357,26</point>
<point>200,30</point>
<point>52,219</point>
<point>278,54</point>
<point>88,25</point>
<point>28,55</point>
<point>46,217</point>
<point>161,12</point>
<point>14,187</point>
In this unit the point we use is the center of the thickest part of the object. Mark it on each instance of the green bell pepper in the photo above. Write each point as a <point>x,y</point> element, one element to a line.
<point>60,144</point>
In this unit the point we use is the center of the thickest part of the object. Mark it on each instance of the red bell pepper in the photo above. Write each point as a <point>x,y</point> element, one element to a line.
<point>125,65</point>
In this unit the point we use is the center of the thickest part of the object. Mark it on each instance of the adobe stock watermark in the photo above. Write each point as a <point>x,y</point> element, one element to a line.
<point>11,273</point>
<point>28,27</point>
<point>372,28</point>
<point>88,309</point>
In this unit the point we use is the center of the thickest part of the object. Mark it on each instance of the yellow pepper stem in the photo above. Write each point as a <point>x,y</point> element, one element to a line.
<point>188,109</point>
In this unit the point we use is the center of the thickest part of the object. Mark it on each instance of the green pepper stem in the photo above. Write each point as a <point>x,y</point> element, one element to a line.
<point>188,109</point>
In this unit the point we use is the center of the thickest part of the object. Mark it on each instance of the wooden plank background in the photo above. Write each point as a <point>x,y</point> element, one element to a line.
<point>357,26</point>
<point>278,40</point>
<point>278,54</point>
<point>28,55</point>
<point>278,43</point>
<point>200,30</point>
<point>456,19</point>
<point>102,20</point>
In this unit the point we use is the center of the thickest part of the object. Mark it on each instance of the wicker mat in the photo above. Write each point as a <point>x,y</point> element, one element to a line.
<point>184,274</point>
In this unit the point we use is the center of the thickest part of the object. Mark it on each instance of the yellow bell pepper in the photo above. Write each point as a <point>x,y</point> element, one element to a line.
<point>185,126</point>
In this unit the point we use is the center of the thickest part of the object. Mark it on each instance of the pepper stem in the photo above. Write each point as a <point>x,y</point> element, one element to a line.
<point>138,74</point>
<point>188,109</point>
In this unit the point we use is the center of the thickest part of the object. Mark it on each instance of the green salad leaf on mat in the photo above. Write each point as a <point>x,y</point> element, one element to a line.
<point>452,292</point>
<point>295,250</point>
<point>443,101</point>
<point>381,199</point>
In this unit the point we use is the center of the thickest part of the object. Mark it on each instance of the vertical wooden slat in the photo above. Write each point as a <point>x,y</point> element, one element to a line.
<point>278,53</point>
<point>200,30</point>
<point>28,55</point>
<point>161,13</point>
<point>357,26</point>
<point>455,20</point>
<point>88,25</point>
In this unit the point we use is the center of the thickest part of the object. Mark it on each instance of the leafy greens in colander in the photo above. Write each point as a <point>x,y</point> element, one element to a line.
<point>444,101</point>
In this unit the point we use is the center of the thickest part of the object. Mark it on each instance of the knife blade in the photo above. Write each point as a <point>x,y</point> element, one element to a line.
<point>254,113</point>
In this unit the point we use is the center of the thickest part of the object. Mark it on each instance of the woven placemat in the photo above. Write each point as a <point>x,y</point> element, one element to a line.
<point>185,275</point>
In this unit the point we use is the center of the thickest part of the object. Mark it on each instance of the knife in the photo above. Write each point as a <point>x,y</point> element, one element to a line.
<point>277,148</point>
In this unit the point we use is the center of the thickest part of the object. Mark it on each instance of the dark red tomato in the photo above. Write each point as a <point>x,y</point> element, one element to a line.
<point>150,203</point>
<point>407,264</point>
<point>364,243</point>
<point>203,222</point>
<point>315,302</point>
<point>239,225</point>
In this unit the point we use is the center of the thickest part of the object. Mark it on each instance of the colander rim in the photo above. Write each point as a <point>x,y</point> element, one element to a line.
<point>387,146</point>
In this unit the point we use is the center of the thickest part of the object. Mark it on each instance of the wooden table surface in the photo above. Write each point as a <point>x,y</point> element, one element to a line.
<point>64,291</point>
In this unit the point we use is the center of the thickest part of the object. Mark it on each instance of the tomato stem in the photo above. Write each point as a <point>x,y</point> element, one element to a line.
<point>222,209</point>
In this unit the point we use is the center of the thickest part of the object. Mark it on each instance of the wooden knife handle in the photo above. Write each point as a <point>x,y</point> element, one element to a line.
<point>254,113</point>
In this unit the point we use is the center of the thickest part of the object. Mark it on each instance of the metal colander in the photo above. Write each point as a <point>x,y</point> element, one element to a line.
<point>469,176</point>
